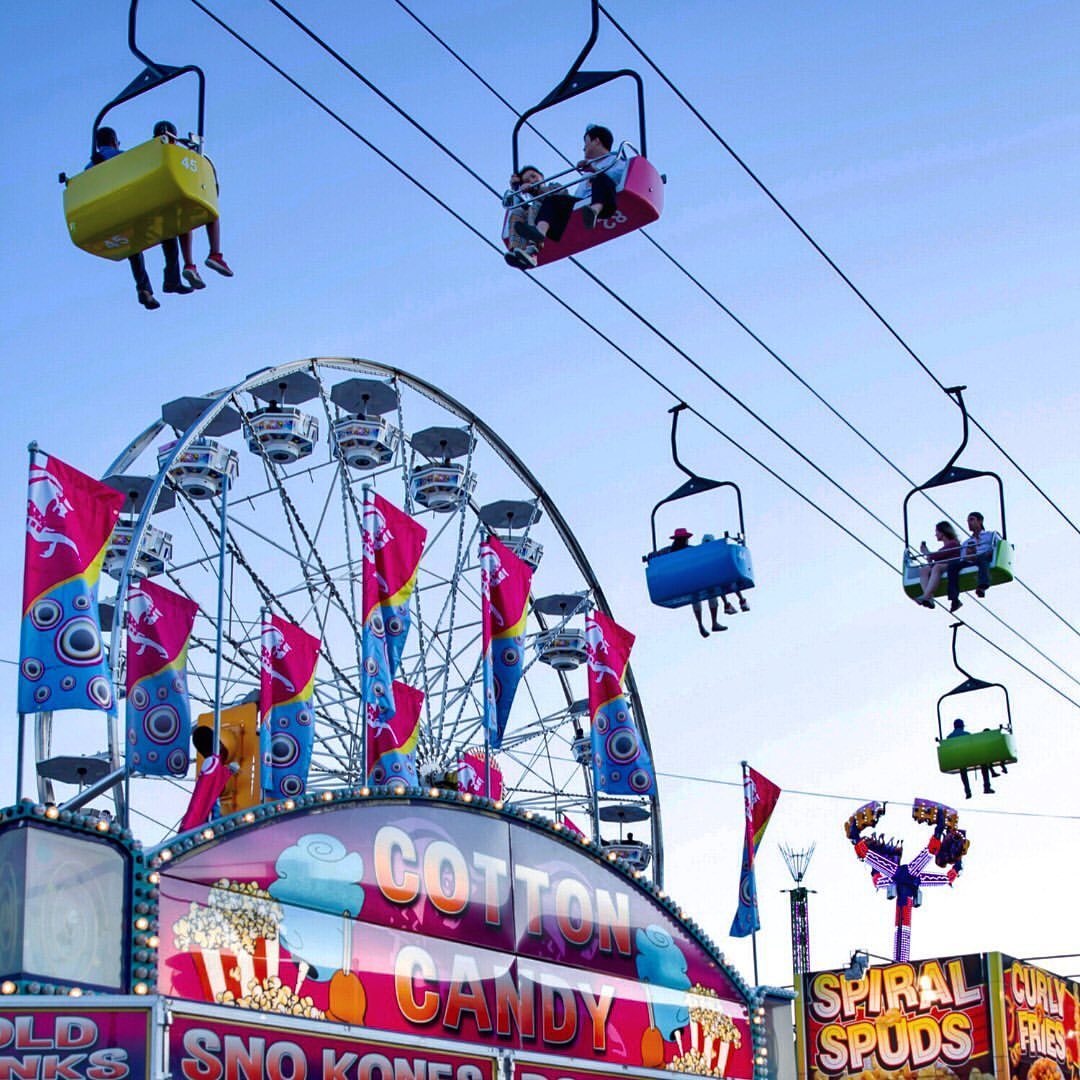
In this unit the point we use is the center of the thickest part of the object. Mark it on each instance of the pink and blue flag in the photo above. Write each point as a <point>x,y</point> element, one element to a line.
<point>760,796</point>
<point>393,543</point>
<point>621,762</point>
<point>69,519</point>
<point>391,740</point>
<point>159,626</point>
<point>505,581</point>
<point>286,718</point>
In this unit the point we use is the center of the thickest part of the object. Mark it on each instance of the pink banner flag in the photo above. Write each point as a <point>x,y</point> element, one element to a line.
<point>391,740</point>
<point>69,519</point>
<point>286,717</point>
<point>571,826</point>
<point>159,625</point>
<point>472,770</point>
<point>213,776</point>
<point>393,544</point>
<point>506,581</point>
<point>621,762</point>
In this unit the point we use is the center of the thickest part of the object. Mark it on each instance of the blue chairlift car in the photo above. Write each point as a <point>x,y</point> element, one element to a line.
<point>700,571</point>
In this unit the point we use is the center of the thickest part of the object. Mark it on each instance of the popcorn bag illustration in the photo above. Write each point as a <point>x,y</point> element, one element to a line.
<point>712,1034</point>
<point>233,939</point>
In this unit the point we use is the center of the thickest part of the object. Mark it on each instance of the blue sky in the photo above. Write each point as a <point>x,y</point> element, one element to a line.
<point>933,151</point>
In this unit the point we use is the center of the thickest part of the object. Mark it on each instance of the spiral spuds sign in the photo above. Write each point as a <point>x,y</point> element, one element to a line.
<point>928,1018</point>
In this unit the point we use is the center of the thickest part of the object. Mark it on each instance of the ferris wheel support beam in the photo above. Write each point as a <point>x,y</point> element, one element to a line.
<point>222,554</point>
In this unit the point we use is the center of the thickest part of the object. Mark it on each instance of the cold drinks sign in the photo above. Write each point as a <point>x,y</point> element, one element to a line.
<point>435,921</point>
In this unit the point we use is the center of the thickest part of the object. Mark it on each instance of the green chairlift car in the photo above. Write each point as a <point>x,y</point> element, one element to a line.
<point>990,748</point>
<point>1001,570</point>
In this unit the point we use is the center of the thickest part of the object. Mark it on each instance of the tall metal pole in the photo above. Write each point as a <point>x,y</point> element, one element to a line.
<point>365,503</point>
<point>748,854</point>
<point>19,759</point>
<point>222,545</point>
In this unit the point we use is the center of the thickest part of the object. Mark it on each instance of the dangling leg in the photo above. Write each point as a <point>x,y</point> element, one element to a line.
<point>143,288</point>
<point>191,273</point>
<point>742,601</point>
<point>967,785</point>
<point>215,260</point>
<point>714,610</point>
<point>173,284</point>
<point>982,570</point>
<point>987,789</point>
<point>697,615</point>
<point>729,607</point>
<point>930,576</point>
<point>954,583</point>
<point>551,219</point>
<point>603,200</point>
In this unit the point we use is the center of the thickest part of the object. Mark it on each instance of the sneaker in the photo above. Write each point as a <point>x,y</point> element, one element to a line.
<point>729,608</point>
<point>191,276</point>
<point>177,287</point>
<point>980,593</point>
<point>743,605</point>
<point>718,626</point>
<point>216,261</point>
<point>588,217</point>
<point>148,300</point>
<point>956,605</point>
<point>522,258</point>
<point>528,232</point>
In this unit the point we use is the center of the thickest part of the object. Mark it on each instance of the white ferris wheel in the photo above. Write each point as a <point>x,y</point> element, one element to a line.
<point>280,460</point>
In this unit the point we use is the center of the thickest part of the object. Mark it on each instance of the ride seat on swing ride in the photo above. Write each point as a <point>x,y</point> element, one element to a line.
<point>989,748</point>
<point>699,572</point>
<point>639,186</point>
<point>1001,561</point>
<point>156,190</point>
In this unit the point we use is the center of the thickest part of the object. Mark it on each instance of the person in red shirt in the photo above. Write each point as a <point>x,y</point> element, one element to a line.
<point>937,561</point>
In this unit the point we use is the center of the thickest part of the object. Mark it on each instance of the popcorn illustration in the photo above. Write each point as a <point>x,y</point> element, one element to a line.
<point>712,1035</point>
<point>233,938</point>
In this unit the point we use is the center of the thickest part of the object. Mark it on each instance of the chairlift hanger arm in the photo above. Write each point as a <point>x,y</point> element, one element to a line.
<point>153,76</point>
<point>576,81</point>
<point>969,684</point>
<point>953,473</point>
<point>695,485</point>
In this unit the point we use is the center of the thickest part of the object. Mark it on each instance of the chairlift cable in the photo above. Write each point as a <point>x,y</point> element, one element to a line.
<point>299,23</point>
<point>590,325</point>
<point>862,799</point>
<point>752,334</point>
<point>747,330</point>
<point>821,251</point>
<point>596,280</point>
<point>404,114</point>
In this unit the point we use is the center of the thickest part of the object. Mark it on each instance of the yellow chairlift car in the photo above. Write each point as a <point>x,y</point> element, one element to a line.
<point>156,190</point>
